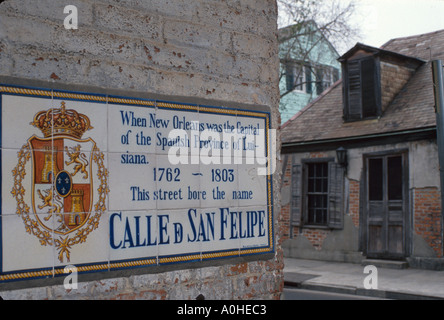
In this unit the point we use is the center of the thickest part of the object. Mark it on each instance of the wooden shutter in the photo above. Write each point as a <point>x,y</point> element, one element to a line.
<point>289,77</point>
<point>368,84</point>
<point>296,194</point>
<point>319,81</point>
<point>362,92</point>
<point>308,79</point>
<point>354,96</point>
<point>335,195</point>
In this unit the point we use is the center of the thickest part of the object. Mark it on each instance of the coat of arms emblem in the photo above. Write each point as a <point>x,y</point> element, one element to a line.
<point>68,180</point>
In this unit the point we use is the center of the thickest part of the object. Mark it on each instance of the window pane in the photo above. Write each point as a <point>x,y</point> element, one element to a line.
<point>321,216</point>
<point>317,209</point>
<point>317,193</point>
<point>322,170</point>
<point>311,202</point>
<point>311,216</point>
<point>295,76</point>
<point>311,185</point>
<point>311,170</point>
<point>325,170</point>
<point>318,185</point>
<point>394,166</point>
<point>375,179</point>
<point>324,216</point>
<point>299,79</point>
<point>318,203</point>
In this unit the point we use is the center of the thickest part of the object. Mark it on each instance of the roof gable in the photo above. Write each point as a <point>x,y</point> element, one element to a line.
<point>360,50</point>
<point>411,109</point>
<point>304,31</point>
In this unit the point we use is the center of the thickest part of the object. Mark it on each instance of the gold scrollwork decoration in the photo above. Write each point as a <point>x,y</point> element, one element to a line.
<point>63,245</point>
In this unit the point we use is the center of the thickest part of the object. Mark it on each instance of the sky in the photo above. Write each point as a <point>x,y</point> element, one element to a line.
<point>382,20</point>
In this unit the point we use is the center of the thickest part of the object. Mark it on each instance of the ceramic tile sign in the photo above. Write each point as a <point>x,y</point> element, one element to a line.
<point>104,182</point>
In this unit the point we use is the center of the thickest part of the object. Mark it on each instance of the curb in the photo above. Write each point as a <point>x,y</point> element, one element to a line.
<point>350,290</point>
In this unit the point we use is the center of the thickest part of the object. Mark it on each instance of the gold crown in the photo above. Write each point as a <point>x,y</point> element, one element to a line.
<point>55,122</point>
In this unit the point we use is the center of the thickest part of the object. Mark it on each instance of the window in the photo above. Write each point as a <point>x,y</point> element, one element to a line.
<point>317,191</point>
<point>325,77</point>
<point>295,77</point>
<point>394,177</point>
<point>362,97</point>
<point>300,76</point>
<point>375,178</point>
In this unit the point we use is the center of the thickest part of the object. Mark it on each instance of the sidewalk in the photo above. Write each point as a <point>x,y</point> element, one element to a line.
<point>347,278</point>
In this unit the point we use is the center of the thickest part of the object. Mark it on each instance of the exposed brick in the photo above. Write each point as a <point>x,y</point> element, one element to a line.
<point>239,269</point>
<point>427,217</point>
<point>354,201</point>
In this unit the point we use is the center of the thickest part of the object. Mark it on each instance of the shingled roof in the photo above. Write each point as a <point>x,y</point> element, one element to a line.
<point>412,109</point>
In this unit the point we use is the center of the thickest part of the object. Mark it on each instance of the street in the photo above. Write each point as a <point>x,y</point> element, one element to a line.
<point>303,294</point>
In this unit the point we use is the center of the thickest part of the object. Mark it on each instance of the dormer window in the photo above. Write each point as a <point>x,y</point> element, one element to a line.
<point>362,89</point>
<point>372,77</point>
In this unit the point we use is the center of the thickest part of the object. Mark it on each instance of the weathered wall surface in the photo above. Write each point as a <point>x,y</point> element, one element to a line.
<point>223,51</point>
<point>343,245</point>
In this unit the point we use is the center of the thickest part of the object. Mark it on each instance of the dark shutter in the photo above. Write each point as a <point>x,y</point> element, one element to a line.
<point>368,79</point>
<point>354,90</point>
<point>308,79</point>
<point>319,81</point>
<point>335,195</point>
<point>289,77</point>
<point>362,93</point>
<point>296,194</point>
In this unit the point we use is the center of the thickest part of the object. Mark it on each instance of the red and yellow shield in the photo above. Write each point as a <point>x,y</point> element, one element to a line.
<point>62,182</point>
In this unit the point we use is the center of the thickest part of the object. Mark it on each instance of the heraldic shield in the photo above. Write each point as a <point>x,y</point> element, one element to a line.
<point>62,185</point>
<point>68,181</point>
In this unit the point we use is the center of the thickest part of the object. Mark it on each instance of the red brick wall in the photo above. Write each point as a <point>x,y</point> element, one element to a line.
<point>253,280</point>
<point>315,236</point>
<point>285,208</point>
<point>427,217</point>
<point>354,201</point>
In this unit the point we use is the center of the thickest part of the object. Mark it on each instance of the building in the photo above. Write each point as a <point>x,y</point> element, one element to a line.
<point>382,200</point>
<point>308,66</point>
